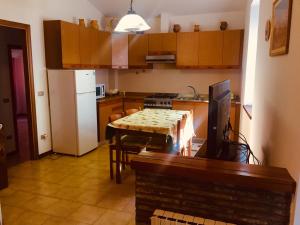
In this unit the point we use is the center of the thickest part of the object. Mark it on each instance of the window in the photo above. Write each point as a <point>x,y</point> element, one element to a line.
<point>252,52</point>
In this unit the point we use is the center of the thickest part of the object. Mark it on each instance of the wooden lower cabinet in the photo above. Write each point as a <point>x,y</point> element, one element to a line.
<point>105,109</point>
<point>133,103</point>
<point>200,110</point>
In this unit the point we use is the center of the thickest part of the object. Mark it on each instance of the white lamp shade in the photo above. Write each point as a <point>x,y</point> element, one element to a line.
<point>132,23</point>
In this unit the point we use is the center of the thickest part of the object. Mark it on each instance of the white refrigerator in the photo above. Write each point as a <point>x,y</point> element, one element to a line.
<point>72,96</point>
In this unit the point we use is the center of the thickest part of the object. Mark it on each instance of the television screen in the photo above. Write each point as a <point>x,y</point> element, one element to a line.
<point>218,117</point>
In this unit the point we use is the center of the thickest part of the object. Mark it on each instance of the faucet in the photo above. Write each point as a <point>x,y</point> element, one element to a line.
<point>195,93</point>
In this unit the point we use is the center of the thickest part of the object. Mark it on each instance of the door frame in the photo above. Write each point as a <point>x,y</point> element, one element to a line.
<point>28,72</point>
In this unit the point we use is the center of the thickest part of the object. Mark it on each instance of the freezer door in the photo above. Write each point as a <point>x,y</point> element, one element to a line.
<point>85,81</point>
<point>87,122</point>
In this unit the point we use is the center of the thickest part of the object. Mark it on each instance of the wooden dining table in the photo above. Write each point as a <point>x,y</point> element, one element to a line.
<point>162,123</point>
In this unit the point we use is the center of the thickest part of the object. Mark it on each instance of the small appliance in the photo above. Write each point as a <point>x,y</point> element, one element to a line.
<point>100,91</point>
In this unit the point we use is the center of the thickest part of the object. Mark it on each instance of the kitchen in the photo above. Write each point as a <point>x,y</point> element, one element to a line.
<point>162,68</point>
<point>145,77</point>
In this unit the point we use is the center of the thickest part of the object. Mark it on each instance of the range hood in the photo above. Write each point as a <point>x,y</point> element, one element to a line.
<point>152,59</point>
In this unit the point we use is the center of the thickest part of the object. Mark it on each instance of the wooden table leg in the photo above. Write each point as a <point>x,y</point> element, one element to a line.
<point>118,156</point>
<point>190,147</point>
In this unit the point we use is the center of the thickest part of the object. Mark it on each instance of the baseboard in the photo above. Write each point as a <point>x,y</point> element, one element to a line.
<point>45,154</point>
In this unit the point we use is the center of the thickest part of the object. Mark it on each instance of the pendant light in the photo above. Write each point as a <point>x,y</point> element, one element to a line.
<point>132,22</point>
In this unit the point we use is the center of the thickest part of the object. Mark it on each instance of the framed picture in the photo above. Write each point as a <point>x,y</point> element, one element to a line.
<point>281,25</point>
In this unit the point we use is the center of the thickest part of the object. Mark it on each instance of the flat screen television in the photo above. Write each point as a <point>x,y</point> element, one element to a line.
<point>218,118</point>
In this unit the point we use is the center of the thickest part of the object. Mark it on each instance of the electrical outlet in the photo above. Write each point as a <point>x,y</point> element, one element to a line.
<point>44,136</point>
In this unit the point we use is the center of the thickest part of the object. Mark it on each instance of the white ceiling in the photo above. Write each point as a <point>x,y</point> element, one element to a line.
<point>151,8</point>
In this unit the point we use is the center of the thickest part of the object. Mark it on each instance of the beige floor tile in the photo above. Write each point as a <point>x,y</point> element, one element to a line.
<point>69,193</point>
<point>6,192</point>
<point>11,214</point>
<point>31,218</point>
<point>91,197</point>
<point>114,202</point>
<point>68,190</point>
<point>62,208</point>
<point>132,221</point>
<point>40,203</point>
<point>19,198</point>
<point>61,221</point>
<point>87,214</point>
<point>114,218</point>
<point>47,189</point>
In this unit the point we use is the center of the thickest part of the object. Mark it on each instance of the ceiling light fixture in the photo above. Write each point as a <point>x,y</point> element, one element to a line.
<point>132,22</point>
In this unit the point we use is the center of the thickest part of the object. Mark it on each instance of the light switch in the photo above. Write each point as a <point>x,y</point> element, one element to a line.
<point>41,93</point>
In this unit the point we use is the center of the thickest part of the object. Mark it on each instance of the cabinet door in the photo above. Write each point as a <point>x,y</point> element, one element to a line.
<point>155,44</point>
<point>169,43</point>
<point>201,119</point>
<point>137,50</point>
<point>85,45</point>
<point>95,47</point>
<point>70,44</point>
<point>133,104</point>
<point>210,48</point>
<point>120,51</point>
<point>187,49</point>
<point>104,111</point>
<point>106,49</point>
<point>232,48</point>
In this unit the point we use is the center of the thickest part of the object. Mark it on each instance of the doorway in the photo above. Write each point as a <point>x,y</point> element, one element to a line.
<point>19,106</point>
<point>17,103</point>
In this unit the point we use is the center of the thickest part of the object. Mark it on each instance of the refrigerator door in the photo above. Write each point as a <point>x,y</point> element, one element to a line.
<point>85,81</point>
<point>87,122</point>
<point>63,111</point>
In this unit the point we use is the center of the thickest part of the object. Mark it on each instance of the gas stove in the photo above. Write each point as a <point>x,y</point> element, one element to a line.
<point>160,100</point>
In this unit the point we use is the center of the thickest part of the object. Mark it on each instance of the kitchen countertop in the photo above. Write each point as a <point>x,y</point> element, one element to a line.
<point>141,96</point>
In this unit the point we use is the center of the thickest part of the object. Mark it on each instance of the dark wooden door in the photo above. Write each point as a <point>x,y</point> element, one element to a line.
<point>3,167</point>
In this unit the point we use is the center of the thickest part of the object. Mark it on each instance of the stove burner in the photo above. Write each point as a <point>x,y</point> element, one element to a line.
<point>160,100</point>
<point>163,95</point>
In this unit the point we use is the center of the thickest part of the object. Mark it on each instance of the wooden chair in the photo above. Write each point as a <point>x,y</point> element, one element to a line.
<point>180,132</point>
<point>131,111</point>
<point>130,144</point>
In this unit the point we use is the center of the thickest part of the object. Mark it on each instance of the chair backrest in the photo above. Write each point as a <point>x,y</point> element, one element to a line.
<point>115,117</point>
<point>131,111</point>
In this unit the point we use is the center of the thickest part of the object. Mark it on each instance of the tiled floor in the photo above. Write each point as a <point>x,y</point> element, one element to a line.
<point>60,190</point>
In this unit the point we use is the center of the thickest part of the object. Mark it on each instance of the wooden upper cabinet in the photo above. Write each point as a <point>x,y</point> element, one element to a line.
<point>187,49</point>
<point>210,48</point>
<point>85,46</point>
<point>70,44</point>
<point>95,47</point>
<point>61,44</point>
<point>169,43</point>
<point>137,50</point>
<point>232,48</point>
<point>155,43</point>
<point>119,51</point>
<point>162,43</point>
<point>105,49</point>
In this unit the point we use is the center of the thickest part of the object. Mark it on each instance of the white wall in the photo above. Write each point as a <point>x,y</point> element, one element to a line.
<point>276,123</point>
<point>173,80</point>
<point>33,12</point>
<point>209,21</point>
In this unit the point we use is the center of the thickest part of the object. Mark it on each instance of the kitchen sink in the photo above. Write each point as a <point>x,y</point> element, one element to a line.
<point>191,99</point>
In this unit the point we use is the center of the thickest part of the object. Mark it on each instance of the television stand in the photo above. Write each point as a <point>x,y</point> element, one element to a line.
<point>232,153</point>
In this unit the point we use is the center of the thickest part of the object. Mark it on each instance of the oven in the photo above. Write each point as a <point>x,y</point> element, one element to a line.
<point>160,101</point>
